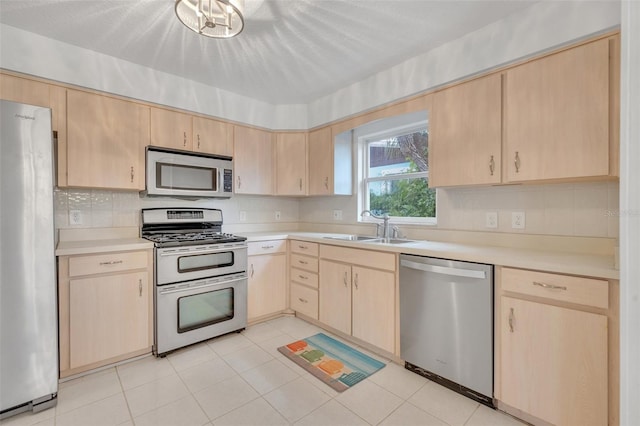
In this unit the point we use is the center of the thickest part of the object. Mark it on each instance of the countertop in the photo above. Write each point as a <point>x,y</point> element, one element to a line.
<point>70,248</point>
<point>591,265</point>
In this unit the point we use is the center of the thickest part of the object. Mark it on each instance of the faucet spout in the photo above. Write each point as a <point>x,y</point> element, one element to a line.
<point>385,218</point>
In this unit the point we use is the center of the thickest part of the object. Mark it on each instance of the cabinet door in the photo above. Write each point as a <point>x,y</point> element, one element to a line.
<point>170,129</point>
<point>291,164</point>
<point>320,162</point>
<point>105,141</point>
<point>25,91</point>
<point>253,161</point>
<point>267,293</point>
<point>212,136</point>
<point>335,295</point>
<point>108,317</point>
<point>374,307</point>
<point>466,134</point>
<point>554,362</point>
<point>557,115</point>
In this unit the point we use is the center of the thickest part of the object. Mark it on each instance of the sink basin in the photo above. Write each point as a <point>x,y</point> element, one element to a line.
<point>390,241</point>
<point>352,238</point>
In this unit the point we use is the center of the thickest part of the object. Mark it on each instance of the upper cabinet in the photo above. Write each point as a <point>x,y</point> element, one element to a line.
<point>557,115</point>
<point>171,129</point>
<point>291,163</point>
<point>212,136</point>
<point>106,139</point>
<point>465,126</point>
<point>329,162</point>
<point>253,161</point>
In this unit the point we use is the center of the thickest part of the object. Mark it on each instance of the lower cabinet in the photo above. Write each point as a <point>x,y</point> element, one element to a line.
<point>554,356</point>
<point>105,308</point>
<point>267,289</point>
<point>356,298</point>
<point>303,274</point>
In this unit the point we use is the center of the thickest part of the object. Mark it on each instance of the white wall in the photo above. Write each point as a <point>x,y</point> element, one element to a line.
<point>630,216</point>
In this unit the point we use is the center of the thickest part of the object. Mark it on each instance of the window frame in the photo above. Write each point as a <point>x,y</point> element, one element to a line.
<point>374,132</point>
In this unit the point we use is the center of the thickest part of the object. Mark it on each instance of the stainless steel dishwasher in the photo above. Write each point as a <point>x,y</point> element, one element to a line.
<point>446,323</point>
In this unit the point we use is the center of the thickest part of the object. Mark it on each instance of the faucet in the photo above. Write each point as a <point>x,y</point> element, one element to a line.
<point>385,226</point>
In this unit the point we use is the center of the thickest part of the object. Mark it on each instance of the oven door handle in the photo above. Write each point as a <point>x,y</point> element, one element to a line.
<point>197,287</point>
<point>196,252</point>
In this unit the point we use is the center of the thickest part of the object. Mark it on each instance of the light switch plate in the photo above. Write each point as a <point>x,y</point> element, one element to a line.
<point>278,215</point>
<point>517,220</point>
<point>491,220</point>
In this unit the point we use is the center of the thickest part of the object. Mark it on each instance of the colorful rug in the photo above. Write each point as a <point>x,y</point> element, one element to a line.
<point>336,364</point>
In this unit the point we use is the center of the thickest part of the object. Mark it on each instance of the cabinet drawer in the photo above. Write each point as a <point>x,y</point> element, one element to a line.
<point>304,247</point>
<point>369,258</point>
<point>304,262</point>
<point>267,247</point>
<point>304,277</point>
<point>108,262</point>
<point>304,300</point>
<point>564,288</point>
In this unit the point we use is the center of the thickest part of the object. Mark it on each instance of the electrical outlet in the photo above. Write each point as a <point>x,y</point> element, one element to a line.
<point>491,219</point>
<point>517,220</point>
<point>337,215</point>
<point>75,217</point>
<point>243,216</point>
<point>278,215</point>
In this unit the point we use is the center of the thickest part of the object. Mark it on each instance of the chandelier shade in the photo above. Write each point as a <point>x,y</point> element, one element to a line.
<point>212,18</point>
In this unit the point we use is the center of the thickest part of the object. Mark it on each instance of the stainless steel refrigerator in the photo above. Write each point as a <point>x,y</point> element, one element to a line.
<point>28,296</point>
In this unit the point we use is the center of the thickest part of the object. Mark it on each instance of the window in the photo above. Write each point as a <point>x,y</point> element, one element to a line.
<point>394,169</point>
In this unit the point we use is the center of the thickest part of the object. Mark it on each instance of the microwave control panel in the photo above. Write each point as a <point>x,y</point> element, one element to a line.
<point>227,180</point>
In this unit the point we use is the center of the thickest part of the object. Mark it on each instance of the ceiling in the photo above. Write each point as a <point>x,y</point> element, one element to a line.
<point>290,52</point>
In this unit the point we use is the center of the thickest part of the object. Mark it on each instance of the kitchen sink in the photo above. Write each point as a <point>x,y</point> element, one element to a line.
<point>352,238</point>
<point>390,241</point>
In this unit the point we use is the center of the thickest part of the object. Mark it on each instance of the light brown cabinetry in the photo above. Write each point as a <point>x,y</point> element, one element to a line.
<point>105,309</point>
<point>291,163</point>
<point>329,162</point>
<point>212,136</point>
<point>267,284</point>
<point>171,129</point>
<point>465,141</point>
<point>253,161</point>
<point>303,275</point>
<point>554,347</point>
<point>557,110</point>
<point>357,294</point>
<point>25,91</point>
<point>106,140</point>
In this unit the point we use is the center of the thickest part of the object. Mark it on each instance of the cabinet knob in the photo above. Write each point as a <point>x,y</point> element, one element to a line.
<point>239,182</point>
<point>111,262</point>
<point>326,182</point>
<point>516,162</point>
<point>492,165</point>
<point>267,247</point>
<point>139,288</point>
<point>302,277</point>
<point>132,174</point>
<point>303,262</point>
<point>184,141</point>
<point>198,141</point>
<point>303,300</point>
<point>355,281</point>
<point>512,319</point>
<point>252,270</point>
<point>345,279</point>
<point>550,286</point>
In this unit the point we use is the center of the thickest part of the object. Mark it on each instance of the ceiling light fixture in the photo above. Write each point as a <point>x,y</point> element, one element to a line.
<point>212,18</point>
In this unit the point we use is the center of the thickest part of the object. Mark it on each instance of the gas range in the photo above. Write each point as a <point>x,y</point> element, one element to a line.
<point>172,227</point>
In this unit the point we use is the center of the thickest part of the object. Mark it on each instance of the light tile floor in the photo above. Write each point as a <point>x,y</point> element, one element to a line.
<point>241,379</point>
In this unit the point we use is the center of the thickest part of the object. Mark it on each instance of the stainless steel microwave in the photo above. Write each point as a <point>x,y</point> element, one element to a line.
<point>185,174</point>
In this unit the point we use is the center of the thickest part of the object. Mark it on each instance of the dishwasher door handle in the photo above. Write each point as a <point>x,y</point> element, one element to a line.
<point>444,270</point>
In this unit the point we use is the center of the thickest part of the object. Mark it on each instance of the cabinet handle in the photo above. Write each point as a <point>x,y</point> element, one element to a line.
<point>345,279</point>
<point>355,282</point>
<point>252,270</point>
<point>516,162</point>
<point>140,288</point>
<point>550,286</point>
<point>303,262</point>
<point>198,141</point>
<point>239,182</point>
<point>303,300</point>
<point>326,182</point>
<point>512,319</point>
<point>132,174</point>
<point>301,247</point>
<point>300,184</point>
<point>111,262</point>
<point>492,165</point>
<point>302,277</point>
<point>267,247</point>
<point>184,142</point>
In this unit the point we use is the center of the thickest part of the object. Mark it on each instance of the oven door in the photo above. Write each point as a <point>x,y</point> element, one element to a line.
<point>194,311</point>
<point>175,264</point>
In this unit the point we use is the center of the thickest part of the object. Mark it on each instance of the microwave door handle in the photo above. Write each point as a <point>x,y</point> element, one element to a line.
<point>197,287</point>
<point>195,252</point>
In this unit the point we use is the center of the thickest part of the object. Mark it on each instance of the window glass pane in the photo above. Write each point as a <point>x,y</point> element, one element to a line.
<point>204,309</point>
<point>402,198</point>
<point>404,153</point>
